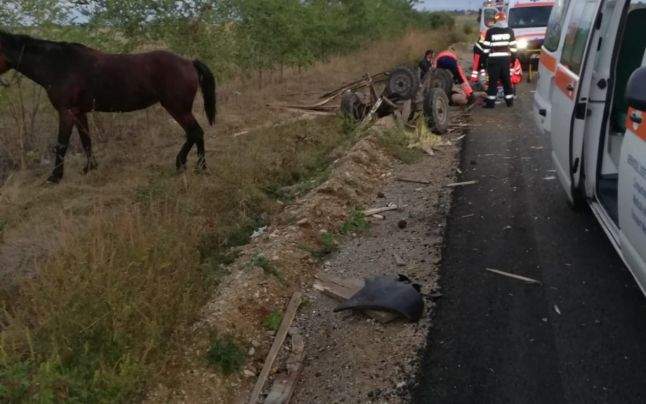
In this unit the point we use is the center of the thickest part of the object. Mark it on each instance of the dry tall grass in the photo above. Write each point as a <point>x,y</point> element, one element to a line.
<point>120,260</point>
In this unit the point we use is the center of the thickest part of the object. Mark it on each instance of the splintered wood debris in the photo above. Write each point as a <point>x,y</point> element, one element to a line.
<point>461,184</point>
<point>514,276</point>
<point>376,211</point>
<point>288,318</point>
<point>283,387</point>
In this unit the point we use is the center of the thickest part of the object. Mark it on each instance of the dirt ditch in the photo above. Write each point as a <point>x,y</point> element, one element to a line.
<point>348,358</point>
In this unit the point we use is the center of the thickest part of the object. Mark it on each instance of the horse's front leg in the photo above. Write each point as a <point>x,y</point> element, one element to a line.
<point>65,125</point>
<point>84,132</point>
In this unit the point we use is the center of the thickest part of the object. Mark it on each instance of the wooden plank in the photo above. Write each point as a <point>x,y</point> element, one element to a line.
<point>288,318</point>
<point>343,289</point>
<point>334,291</point>
<point>283,388</point>
<point>355,85</point>
<point>461,184</point>
<point>514,276</point>
<point>377,211</point>
<point>414,181</point>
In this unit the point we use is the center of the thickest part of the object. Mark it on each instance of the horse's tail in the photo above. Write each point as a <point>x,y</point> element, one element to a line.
<point>207,83</point>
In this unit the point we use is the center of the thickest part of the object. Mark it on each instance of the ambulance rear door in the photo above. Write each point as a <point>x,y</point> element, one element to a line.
<point>550,54</point>
<point>569,97</point>
<point>632,180</point>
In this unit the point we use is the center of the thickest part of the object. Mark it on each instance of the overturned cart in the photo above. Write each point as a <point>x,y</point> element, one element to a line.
<point>402,95</point>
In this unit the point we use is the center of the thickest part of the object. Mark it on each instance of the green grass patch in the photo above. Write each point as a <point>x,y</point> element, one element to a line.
<point>273,320</point>
<point>260,261</point>
<point>226,355</point>
<point>355,222</point>
<point>327,245</point>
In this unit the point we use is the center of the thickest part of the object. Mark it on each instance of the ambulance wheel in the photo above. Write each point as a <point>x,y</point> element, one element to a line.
<point>442,79</point>
<point>402,84</point>
<point>352,107</point>
<point>436,110</point>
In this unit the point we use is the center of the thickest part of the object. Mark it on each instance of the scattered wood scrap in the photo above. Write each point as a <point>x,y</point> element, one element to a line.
<point>343,289</point>
<point>461,184</point>
<point>514,276</point>
<point>399,260</point>
<point>376,211</point>
<point>288,318</point>
<point>283,389</point>
<point>355,85</point>
<point>425,182</point>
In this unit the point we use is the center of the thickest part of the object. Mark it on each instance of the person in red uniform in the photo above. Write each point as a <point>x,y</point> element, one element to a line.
<point>449,61</point>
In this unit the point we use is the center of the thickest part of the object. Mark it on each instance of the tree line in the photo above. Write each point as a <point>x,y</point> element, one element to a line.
<point>234,36</point>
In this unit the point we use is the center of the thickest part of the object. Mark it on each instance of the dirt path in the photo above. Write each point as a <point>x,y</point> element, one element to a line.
<point>349,357</point>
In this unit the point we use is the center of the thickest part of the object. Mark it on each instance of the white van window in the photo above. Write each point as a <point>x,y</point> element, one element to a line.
<point>576,39</point>
<point>529,17</point>
<point>555,25</point>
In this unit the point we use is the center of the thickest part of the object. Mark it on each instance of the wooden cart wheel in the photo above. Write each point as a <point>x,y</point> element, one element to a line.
<point>436,110</point>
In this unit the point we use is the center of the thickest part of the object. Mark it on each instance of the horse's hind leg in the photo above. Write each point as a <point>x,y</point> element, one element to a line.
<point>86,141</point>
<point>65,125</point>
<point>194,135</point>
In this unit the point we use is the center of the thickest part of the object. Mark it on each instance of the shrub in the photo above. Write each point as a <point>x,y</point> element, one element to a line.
<point>226,355</point>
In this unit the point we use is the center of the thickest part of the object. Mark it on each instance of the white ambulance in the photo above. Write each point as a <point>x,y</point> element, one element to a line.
<point>487,14</point>
<point>591,101</point>
<point>528,19</point>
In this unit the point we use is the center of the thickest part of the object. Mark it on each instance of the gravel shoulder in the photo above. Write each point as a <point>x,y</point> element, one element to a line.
<point>350,357</point>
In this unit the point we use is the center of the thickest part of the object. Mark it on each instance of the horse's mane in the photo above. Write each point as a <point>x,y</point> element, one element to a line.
<point>20,42</point>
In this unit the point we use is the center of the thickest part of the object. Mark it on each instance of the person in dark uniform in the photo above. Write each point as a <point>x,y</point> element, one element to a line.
<point>500,50</point>
<point>426,64</point>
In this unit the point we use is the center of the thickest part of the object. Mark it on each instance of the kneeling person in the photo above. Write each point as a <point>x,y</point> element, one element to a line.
<point>449,61</point>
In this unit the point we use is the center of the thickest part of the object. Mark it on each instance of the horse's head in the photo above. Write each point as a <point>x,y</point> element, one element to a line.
<point>5,65</point>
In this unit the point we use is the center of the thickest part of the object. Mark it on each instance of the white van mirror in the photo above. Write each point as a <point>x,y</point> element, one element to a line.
<point>636,90</point>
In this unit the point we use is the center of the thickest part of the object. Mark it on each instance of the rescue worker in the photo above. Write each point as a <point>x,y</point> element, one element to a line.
<point>449,61</point>
<point>426,64</point>
<point>500,51</point>
<point>477,65</point>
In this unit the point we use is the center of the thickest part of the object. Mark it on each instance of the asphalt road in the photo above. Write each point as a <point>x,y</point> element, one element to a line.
<point>499,340</point>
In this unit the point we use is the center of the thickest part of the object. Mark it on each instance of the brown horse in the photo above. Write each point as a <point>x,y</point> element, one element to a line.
<point>79,80</point>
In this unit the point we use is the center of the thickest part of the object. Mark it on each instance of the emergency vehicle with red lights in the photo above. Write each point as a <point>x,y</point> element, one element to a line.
<point>528,19</point>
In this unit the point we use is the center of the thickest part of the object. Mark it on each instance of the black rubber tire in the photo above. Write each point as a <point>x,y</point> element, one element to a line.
<point>402,84</point>
<point>436,110</point>
<point>352,107</point>
<point>442,79</point>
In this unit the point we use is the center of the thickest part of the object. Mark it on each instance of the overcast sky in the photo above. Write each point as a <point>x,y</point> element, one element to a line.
<point>450,4</point>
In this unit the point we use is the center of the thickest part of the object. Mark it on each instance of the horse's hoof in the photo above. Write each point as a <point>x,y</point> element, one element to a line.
<point>53,179</point>
<point>88,168</point>
<point>201,166</point>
